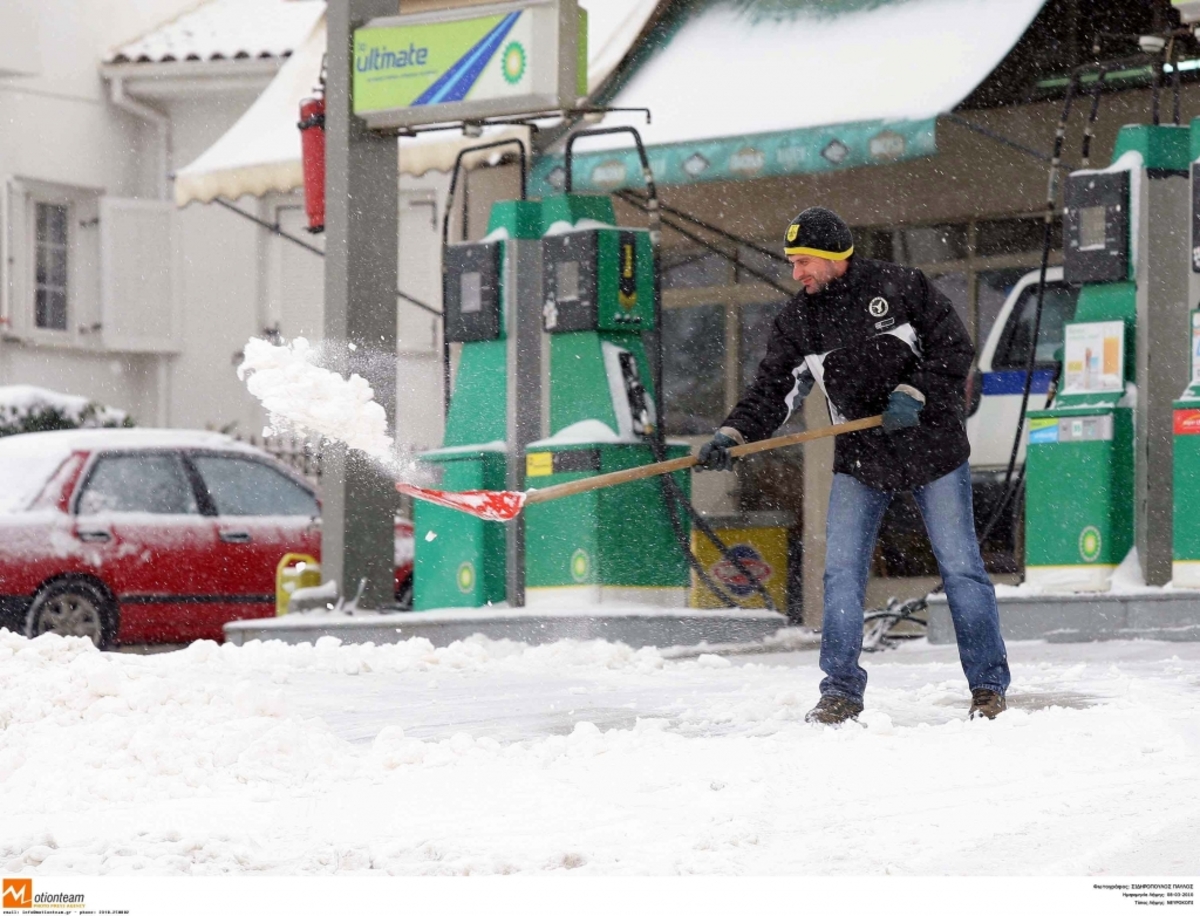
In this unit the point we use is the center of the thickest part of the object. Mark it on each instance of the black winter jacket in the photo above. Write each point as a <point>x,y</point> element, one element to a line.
<point>877,326</point>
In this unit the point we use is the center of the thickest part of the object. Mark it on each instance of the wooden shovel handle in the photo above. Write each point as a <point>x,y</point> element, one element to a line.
<point>641,472</point>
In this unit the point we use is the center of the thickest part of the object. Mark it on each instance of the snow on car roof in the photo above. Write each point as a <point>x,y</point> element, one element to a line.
<point>91,439</point>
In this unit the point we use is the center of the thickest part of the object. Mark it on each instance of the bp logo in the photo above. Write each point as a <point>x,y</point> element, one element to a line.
<point>878,307</point>
<point>1089,544</point>
<point>466,577</point>
<point>581,565</point>
<point>727,573</point>
<point>513,62</point>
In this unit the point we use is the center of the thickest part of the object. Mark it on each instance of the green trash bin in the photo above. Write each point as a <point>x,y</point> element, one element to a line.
<point>611,544</point>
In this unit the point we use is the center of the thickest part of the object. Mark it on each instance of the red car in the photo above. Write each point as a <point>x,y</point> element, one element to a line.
<point>138,536</point>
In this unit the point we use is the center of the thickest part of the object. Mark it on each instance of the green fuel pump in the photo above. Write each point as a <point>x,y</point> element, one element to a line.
<point>462,559</point>
<point>1082,460</point>
<point>599,287</point>
<point>596,294</point>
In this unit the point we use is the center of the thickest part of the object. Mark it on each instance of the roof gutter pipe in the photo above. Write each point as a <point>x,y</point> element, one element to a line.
<point>161,122</point>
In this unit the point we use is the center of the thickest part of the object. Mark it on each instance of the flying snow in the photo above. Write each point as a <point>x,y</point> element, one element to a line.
<point>300,395</point>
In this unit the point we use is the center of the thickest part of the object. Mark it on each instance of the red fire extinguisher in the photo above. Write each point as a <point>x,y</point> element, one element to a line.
<point>312,147</point>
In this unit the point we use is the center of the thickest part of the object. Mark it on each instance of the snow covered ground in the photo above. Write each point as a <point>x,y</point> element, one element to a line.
<point>590,758</point>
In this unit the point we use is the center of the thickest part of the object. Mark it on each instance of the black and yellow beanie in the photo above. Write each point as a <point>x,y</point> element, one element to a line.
<point>821,233</point>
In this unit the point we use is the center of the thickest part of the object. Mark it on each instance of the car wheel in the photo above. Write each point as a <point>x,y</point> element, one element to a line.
<point>73,607</point>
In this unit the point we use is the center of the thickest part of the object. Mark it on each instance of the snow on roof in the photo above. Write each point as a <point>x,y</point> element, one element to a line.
<point>226,30</point>
<point>59,441</point>
<point>759,67</point>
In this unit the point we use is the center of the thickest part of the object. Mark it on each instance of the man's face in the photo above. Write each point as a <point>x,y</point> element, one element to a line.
<point>814,273</point>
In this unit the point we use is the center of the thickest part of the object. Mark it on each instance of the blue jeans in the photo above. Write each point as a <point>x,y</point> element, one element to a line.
<point>855,511</point>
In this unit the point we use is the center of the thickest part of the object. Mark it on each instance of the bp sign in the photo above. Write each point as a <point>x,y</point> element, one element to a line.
<point>469,64</point>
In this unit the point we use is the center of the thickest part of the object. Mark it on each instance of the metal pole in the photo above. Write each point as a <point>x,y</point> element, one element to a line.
<point>362,238</point>
<point>523,307</point>
<point>1162,362</point>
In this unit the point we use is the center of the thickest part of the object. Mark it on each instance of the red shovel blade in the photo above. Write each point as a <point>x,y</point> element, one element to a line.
<point>490,505</point>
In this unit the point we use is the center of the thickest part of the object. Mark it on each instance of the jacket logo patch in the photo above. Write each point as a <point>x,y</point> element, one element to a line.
<point>878,307</point>
<point>885,324</point>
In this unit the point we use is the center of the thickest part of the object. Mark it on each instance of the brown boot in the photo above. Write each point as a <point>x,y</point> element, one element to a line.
<point>833,710</point>
<point>986,703</point>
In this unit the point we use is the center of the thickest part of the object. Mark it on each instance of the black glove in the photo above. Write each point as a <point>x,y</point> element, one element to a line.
<point>714,455</point>
<point>903,409</point>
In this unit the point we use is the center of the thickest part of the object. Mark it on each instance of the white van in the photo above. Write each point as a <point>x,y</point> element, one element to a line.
<point>995,389</point>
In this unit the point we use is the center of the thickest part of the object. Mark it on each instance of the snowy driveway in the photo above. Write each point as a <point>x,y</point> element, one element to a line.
<point>499,758</point>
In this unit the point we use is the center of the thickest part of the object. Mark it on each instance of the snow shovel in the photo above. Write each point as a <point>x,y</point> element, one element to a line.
<point>505,505</point>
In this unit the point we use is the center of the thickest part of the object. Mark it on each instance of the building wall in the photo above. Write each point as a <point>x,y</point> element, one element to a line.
<point>61,132</point>
<point>233,280</point>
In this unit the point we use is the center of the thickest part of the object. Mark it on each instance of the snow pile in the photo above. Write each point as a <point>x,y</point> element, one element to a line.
<point>589,757</point>
<point>300,395</point>
<point>585,432</point>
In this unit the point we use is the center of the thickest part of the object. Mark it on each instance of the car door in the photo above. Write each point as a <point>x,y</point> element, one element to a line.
<point>1003,362</point>
<point>261,514</point>
<point>138,517</point>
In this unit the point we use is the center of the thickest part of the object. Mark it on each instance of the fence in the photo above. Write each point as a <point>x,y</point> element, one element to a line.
<point>300,454</point>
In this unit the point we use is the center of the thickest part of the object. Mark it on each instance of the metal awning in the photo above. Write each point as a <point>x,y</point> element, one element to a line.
<point>261,151</point>
<point>753,88</point>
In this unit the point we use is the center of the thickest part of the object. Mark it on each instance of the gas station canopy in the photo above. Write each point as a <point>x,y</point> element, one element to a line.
<point>261,151</point>
<point>752,88</point>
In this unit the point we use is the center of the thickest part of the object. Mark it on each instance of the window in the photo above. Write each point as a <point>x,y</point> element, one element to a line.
<point>53,262</point>
<point>918,245</point>
<point>1015,236</point>
<point>1057,309</point>
<point>695,269</point>
<point>991,292</point>
<point>138,483</point>
<point>51,242</point>
<point>756,323</point>
<point>930,244</point>
<point>693,369</point>
<point>953,286</point>
<point>762,265</point>
<point>242,486</point>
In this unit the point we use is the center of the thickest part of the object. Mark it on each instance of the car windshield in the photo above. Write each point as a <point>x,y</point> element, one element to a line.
<point>23,474</point>
<point>1058,307</point>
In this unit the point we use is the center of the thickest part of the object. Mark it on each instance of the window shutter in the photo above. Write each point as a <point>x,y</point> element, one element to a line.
<point>137,276</point>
